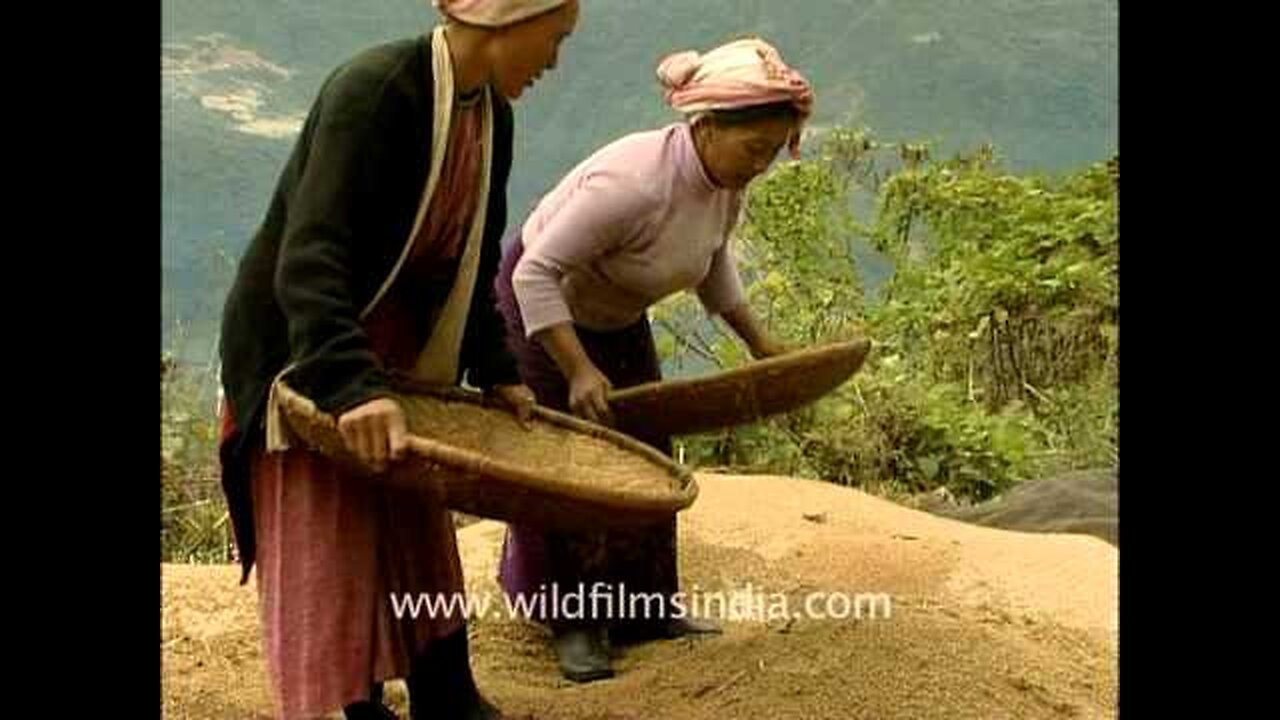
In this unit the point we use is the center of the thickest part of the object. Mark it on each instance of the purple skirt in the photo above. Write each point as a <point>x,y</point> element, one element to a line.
<point>636,569</point>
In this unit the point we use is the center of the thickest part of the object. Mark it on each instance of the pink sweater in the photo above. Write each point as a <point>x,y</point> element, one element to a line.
<point>634,223</point>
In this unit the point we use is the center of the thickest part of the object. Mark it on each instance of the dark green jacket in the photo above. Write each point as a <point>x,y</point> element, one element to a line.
<point>341,215</point>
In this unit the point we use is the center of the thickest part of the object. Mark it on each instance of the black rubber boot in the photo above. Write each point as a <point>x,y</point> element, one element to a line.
<point>371,709</point>
<point>583,651</point>
<point>679,627</point>
<point>441,686</point>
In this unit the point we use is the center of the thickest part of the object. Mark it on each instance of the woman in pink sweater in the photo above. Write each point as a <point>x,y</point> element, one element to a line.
<point>646,216</point>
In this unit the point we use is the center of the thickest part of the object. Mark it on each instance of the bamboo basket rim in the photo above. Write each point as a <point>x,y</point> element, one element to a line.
<point>682,493</point>
<point>861,347</point>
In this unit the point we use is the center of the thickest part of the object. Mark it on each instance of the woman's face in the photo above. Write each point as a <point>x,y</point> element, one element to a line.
<point>521,52</point>
<point>734,155</point>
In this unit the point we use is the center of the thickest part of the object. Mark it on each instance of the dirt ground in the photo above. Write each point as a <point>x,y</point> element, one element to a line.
<point>984,623</point>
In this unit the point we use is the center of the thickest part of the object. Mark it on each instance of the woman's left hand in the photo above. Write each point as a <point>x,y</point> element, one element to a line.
<point>768,347</point>
<point>761,343</point>
<point>518,398</point>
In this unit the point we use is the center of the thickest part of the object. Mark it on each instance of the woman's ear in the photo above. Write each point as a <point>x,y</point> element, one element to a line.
<point>710,131</point>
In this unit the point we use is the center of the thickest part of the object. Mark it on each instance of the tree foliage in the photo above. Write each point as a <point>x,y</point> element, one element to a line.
<point>995,341</point>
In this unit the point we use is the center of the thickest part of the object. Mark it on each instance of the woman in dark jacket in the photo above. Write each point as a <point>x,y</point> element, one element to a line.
<point>376,256</point>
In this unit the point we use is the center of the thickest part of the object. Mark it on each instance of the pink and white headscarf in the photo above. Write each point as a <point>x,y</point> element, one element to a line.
<point>740,74</point>
<point>495,13</point>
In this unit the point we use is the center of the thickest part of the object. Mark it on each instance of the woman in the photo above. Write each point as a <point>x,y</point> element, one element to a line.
<point>375,257</point>
<point>646,216</point>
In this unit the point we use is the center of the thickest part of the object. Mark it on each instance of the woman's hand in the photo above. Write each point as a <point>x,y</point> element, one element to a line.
<point>519,399</point>
<point>588,387</point>
<point>767,347</point>
<point>589,394</point>
<point>744,323</point>
<point>375,432</point>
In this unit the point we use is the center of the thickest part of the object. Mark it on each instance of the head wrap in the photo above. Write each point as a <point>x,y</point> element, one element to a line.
<point>495,13</point>
<point>740,74</point>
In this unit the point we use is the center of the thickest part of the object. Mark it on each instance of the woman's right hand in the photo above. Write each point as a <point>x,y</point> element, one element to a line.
<point>588,387</point>
<point>375,432</point>
<point>589,394</point>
